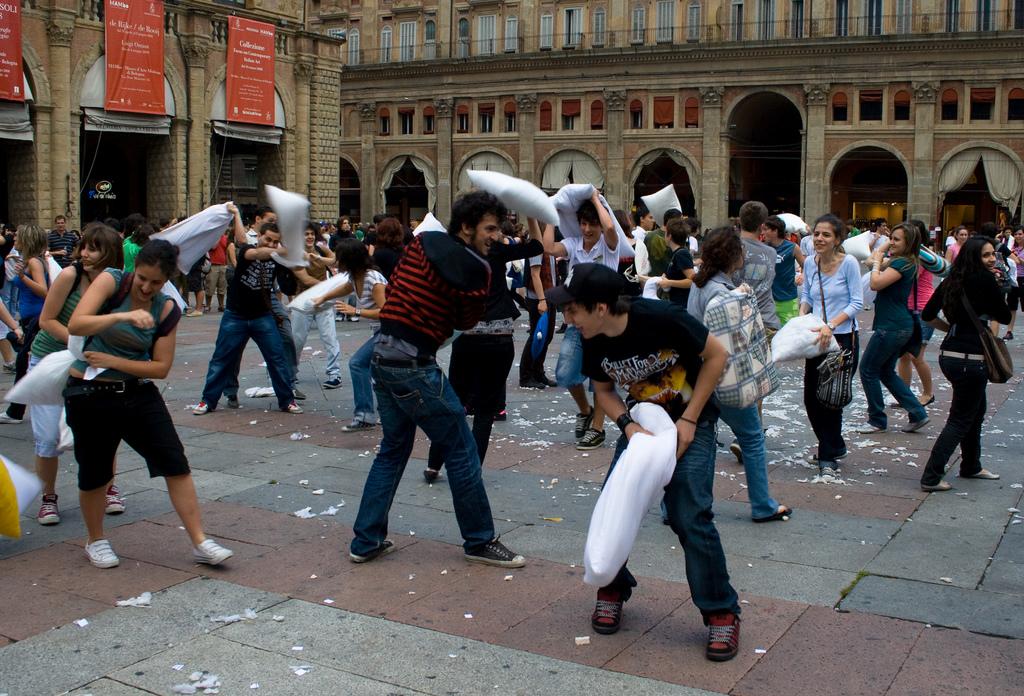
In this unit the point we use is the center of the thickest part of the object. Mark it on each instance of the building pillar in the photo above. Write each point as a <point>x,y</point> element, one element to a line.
<point>325,100</point>
<point>526,124</point>
<point>715,160</point>
<point>59,32</point>
<point>615,184</point>
<point>816,198</point>
<point>368,200</point>
<point>303,74</point>
<point>443,109</point>
<point>923,194</point>
<point>196,50</point>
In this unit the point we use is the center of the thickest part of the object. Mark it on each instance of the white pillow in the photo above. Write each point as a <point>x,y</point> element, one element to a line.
<point>794,224</point>
<point>567,201</point>
<point>859,247</point>
<point>303,302</point>
<point>661,202</point>
<point>44,383</point>
<point>196,235</point>
<point>516,194</point>
<point>429,223</point>
<point>292,214</point>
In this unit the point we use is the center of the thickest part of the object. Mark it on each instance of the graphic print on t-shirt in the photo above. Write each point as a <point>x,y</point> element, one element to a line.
<point>658,378</point>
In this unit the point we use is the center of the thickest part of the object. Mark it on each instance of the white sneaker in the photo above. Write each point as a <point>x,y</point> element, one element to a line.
<point>101,555</point>
<point>4,418</point>
<point>211,553</point>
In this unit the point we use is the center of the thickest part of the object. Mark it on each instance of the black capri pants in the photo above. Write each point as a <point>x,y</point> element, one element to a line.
<point>138,416</point>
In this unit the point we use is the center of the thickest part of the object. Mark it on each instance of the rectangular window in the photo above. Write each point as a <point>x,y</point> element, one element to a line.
<point>385,45</point>
<point>486,112</point>
<point>1015,106</point>
<point>463,123</point>
<point>636,119</point>
<point>407,41</point>
<point>904,10</point>
<point>485,29</point>
<point>986,15</point>
<point>796,19</point>
<point>511,34</point>
<point>766,20</point>
<point>952,16</point>
<point>737,20</point>
<point>664,112</point>
<point>353,47</point>
<point>573,27</point>
<point>385,125</point>
<point>950,106</point>
<point>547,32</point>
<point>901,107</point>
<point>871,105</point>
<point>407,118</point>
<point>693,22</point>
<point>510,122</point>
<point>600,28</point>
<point>981,104</point>
<point>842,17</point>
<point>840,111</point>
<point>874,17</point>
<point>428,124</point>
<point>636,32</point>
<point>665,20</point>
<point>570,113</point>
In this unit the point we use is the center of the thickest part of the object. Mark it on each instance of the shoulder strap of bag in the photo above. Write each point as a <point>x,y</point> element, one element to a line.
<point>821,289</point>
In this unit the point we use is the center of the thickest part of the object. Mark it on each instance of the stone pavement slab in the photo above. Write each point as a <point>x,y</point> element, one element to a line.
<point>928,552</point>
<point>31,609</point>
<point>957,663</point>
<point>107,687</point>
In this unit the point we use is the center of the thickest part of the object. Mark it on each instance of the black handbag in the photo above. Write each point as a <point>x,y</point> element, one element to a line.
<point>835,372</point>
<point>997,357</point>
<point>913,344</point>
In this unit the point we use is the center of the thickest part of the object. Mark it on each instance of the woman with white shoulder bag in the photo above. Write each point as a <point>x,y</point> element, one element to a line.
<point>731,314</point>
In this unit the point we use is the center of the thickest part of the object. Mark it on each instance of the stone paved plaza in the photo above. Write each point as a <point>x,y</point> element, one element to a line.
<point>872,587</point>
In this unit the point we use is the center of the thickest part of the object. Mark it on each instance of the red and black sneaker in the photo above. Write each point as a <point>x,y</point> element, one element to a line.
<point>607,616</point>
<point>723,637</point>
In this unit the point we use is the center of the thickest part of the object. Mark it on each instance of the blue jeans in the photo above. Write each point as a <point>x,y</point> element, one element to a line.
<point>878,367</point>
<point>569,369</point>
<point>235,331</point>
<point>324,321</point>
<point>362,389</point>
<point>291,362</point>
<point>746,425</point>
<point>689,497</point>
<point>411,397</point>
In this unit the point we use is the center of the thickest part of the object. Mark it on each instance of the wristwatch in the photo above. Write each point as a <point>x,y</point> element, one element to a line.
<point>358,311</point>
<point>624,420</point>
<point>831,326</point>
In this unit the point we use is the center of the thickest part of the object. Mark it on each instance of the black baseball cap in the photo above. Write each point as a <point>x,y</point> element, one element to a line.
<point>589,283</point>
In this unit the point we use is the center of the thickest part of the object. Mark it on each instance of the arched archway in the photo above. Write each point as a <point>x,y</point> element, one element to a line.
<point>765,152</point>
<point>348,189</point>
<point>867,183</point>
<point>570,167</point>
<point>980,183</point>
<point>408,188</point>
<point>658,168</point>
<point>483,160</point>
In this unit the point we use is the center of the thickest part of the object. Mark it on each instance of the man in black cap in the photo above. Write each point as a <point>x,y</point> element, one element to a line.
<point>659,355</point>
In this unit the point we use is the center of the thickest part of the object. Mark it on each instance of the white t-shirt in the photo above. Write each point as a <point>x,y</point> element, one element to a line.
<point>692,241</point>
<point>807,245</point>
<point>599,253</point>
<point>950,240</point>
<point>638,233</point>
<point>252,237</point>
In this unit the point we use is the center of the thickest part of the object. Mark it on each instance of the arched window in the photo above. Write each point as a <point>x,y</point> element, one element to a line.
<point>901,106</point>
<point>691,113</point>
<point>463,38</point>
<point>1015,105</point>
<point>430,39</point>
<point>510,117</point>
<point>597,115</point>
<point>462,118</point>
<point>950,105</point>
<point>545,116</point>
<point>840,107</point>
<point>353,47</point>
<point>384,120</point>
<point>636,114</point>
<point>385,45</point>
<point>428,120</point>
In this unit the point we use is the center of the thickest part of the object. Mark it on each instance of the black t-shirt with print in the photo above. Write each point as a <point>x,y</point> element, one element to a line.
<point>682,260</point>
<point>250,287</point>
<point>656,359</point>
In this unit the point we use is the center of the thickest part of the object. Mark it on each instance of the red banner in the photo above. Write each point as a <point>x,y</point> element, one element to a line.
<point>135,56</point>
<point>250,84</point>
<point>12,75</point>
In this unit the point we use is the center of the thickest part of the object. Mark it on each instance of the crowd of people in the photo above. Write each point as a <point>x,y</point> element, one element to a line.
<point>640,299</point>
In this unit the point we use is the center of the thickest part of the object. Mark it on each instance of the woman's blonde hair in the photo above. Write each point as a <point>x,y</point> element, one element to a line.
<point>31,241</point>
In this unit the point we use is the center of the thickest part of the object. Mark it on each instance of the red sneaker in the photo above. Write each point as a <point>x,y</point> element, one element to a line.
<point>48,512</point>
<point>114,502</point>
<point>723,637</point>
<point>607,616</point>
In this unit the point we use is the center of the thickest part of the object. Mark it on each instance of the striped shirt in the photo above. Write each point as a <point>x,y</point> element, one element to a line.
<point>422,307</point>
<point>62,242</point>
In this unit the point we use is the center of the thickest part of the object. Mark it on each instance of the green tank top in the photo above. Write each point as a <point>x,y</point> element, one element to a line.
<point>45,342</point>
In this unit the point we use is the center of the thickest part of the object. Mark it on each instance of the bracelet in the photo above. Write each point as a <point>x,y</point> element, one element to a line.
<point>623,421</point>
<point>688,420</point>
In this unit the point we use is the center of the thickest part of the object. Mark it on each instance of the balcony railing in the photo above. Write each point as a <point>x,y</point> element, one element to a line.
<point>747,32</point>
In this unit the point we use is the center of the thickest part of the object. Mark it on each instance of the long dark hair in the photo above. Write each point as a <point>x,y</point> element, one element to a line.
<point>722,246</point>
<point>968,263</point>
<point>353,257</point>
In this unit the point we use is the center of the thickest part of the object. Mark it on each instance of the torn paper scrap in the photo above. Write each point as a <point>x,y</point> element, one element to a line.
<point>143,600</point>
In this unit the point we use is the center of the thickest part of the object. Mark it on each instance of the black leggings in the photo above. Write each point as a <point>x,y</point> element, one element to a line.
<point>478,372</point>
<point>969,379</point>
<point>29,328</point>
<point>528,367</point>
<point>827,423</point>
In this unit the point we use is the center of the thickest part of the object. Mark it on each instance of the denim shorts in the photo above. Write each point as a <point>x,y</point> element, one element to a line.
<point>45,422</point>
<point>927,330</point>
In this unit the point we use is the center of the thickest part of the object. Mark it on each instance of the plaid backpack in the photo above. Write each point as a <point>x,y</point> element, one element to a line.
<point>750,374</point>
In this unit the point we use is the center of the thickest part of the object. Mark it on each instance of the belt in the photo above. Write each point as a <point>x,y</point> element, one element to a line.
<point>961,356</point>
<point>81,387</point>
<point>410,363</point>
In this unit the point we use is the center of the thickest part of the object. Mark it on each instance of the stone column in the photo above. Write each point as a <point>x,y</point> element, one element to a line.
<point>368,201</point>
<point>443,109</point>
<point>615,185</point>
<point>816,198</point>
<point>923,193</point>
<point>303,74</point>
<point>714,177</point>
<point>196,50</point>
<point>526,125</point>
<point>59,32</point>
<point>325,107</point>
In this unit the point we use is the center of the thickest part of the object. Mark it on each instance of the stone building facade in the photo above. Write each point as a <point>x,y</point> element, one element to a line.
<point>182,171</point>
<point>868,108</point>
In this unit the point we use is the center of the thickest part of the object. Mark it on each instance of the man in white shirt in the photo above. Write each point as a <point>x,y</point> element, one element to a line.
<point>599,243</point>
<point>263,216</point>
<point>644,223</point>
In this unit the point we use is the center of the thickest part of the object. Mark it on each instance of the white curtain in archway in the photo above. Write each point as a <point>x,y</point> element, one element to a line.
<point>584,168</point>
<point>957,171</point>
<point>429,179</point>
<point>483,161</point>
<point>1004,183</point>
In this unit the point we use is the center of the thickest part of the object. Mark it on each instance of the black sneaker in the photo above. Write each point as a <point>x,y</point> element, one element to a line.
<point>357,425</point>
<point>298,395</point>
<point>494,553</point>
<point>583,421</point>
<point>386,547</point>
<point>592,439</point>
<point>333,383</point>
<point>607,616</point>
<point>431,474</point>
<point>532,384</point>
<point>548,381</point>
<point>232,402</point>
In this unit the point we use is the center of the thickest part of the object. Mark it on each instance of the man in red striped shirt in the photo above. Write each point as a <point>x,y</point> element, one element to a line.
<point>439,286</point>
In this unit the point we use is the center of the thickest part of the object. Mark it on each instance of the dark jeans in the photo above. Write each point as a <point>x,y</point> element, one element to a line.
<point>827,423</point>
<point>689,497</point>
<point>963,426</point>
<point>284,327</point>
<point>235,332</point>
<point>29,328</point>
<point>478,372</point>
<point>407,398</point>
<point>878,367</point>
<point>529,368</point>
